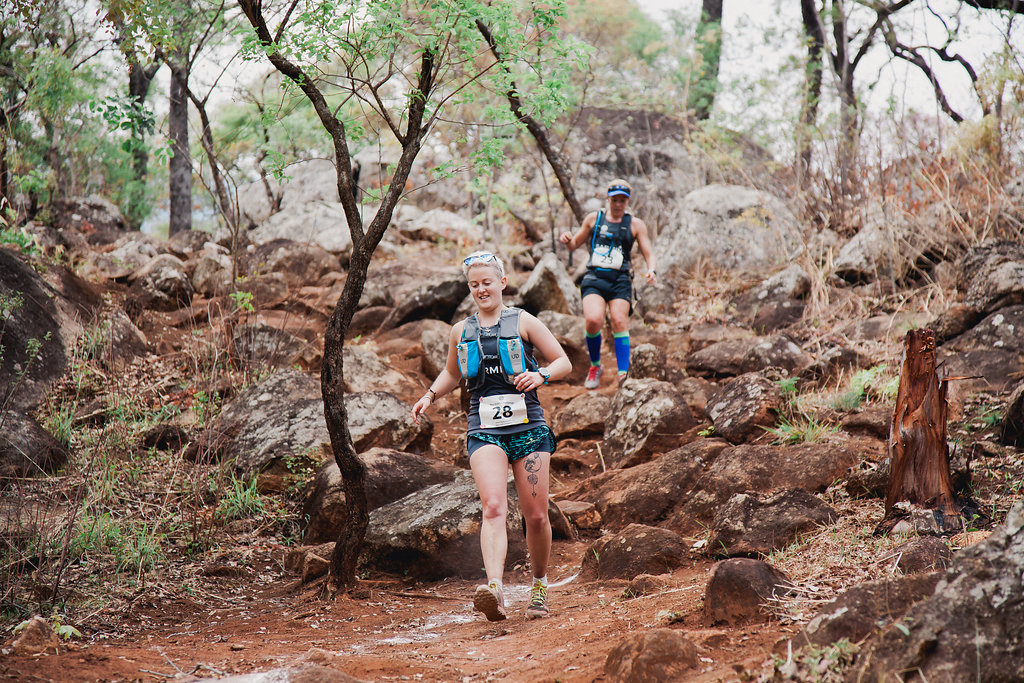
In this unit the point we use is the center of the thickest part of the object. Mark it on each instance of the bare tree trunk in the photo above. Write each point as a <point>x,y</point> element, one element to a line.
<point>350,539</point>
<point>538,132</point>
<point>180,165</point>
<point>709,46</point>
<point>918,453</point>
<point>139,80</point>
<point>815,36</point>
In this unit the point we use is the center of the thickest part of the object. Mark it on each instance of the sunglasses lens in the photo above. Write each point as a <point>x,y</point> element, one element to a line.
<point>479,258</point>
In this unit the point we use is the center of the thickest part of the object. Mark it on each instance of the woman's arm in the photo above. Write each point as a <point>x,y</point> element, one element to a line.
<point>447,380</point>
<point>582,235</point>
<point>643,239</point>
<point>534,331</point>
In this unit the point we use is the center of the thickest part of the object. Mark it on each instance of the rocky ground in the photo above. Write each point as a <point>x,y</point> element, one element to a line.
<point>176,523</point>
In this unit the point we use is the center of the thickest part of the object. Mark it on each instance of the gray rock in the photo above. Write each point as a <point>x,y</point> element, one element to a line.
<point>436,225</point>
<point>434,339</point>
<point>648,361</point>
<point>991,276</point>
<point>36,311</point>
<point>738,356</point>
<point>390,475</point>
<point>752,231</point>
<point>116,340</point>
<point>321,223</point>
<point>923,554</point>
<point>283,416</point>
<point>437,298</point>
<point>365,371</point>
<point>744,406</point>
<point>259,346</point>
<point>760,469</point>
<point>549,288</point>
<point>647,417</point>
<point>750,526</point>
<point>162,285</point>
<point>434,533</point>
<point>304,182</point>
<point>563,324</point>
<point>211,274</point>
<point>300,263</point>
<point>585,414</point>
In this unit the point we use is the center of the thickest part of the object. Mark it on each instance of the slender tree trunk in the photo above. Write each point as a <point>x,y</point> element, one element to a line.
<point>224,203</point>
<point>180,165</point>
<point>5,198</point>
<point>815,37</point>
<point>332,375</point>
<point>538,132</point>
<point>709,47</point>
<point>139,80</point>
<point>918,451</point>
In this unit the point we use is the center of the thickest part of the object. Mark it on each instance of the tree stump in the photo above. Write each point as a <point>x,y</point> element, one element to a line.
<point>918,451</point>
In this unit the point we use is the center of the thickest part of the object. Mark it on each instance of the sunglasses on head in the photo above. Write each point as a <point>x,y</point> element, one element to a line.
<point>622,189</point>
<point>479,258</point>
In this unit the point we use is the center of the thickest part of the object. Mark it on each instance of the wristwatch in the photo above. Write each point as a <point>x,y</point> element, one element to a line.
<point>545,373</point>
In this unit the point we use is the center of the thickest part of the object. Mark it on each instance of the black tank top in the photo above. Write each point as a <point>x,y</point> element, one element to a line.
<point>495,385</point>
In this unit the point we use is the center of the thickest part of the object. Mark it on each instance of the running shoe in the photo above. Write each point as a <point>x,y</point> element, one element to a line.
<point>489,600</point>
<point>538,607</point>
<point>622,378</point>
<point>593,377</point>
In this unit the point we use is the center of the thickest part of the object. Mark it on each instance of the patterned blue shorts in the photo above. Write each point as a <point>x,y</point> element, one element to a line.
<point>518,445</point>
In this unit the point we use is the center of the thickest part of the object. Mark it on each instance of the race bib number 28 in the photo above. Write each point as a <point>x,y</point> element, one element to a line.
<point>503,410</point>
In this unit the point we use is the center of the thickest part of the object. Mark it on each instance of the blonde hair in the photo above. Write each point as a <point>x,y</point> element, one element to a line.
<point>483,258</point>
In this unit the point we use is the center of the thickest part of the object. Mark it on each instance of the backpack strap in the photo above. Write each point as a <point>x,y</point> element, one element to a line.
<point>593,233</point>
<point>510,344</point>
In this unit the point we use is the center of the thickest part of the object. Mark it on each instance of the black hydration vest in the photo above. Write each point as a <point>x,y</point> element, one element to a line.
<point>488,359</point>
<point>611,244</point>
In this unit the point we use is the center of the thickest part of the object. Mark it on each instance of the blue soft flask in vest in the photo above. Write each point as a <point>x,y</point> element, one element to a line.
<point>512,358</point>
<point>469,358</point>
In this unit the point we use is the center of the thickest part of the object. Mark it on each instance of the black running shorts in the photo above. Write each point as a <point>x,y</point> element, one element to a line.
<point>615,286</point>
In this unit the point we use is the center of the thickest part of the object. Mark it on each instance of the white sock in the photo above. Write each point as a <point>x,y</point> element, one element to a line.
<point>496,582</point>
<point>543,580</point>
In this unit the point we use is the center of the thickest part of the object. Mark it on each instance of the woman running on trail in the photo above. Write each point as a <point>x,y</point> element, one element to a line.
<point>493,351</point>
<point>608,281</point>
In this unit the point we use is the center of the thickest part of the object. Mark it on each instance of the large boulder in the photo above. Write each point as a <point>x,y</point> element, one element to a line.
<point>735,357</point>
<point>1011,432</point>
<point>94,216</point>
<point>434,533</point>
<point>436,225</point>
<point>584,415</point>
<point>283,416</point>
<point>26,449</point>
<point>40,320</point>
<point>647,417</point>
<point>365,371</point>
<point>969,629</point>
<point>730,227</point>
<point>860,611</point>
<point>390,475</point>
<point>748,525</point>
<point>300,263</point>
<point>259,346</point>
<point>990,353</point>
<point>320,223</point>
<point>890,243</point>
<point>437,297</point>
<point>549,288</point>
<point>760,469</point>
<point>649,493</point>
<point>637,549</point>
<point>304,182</point>
<point>990,276</point>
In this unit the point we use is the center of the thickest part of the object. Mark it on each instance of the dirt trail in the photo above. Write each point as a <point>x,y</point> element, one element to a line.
<point>390,630</point>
